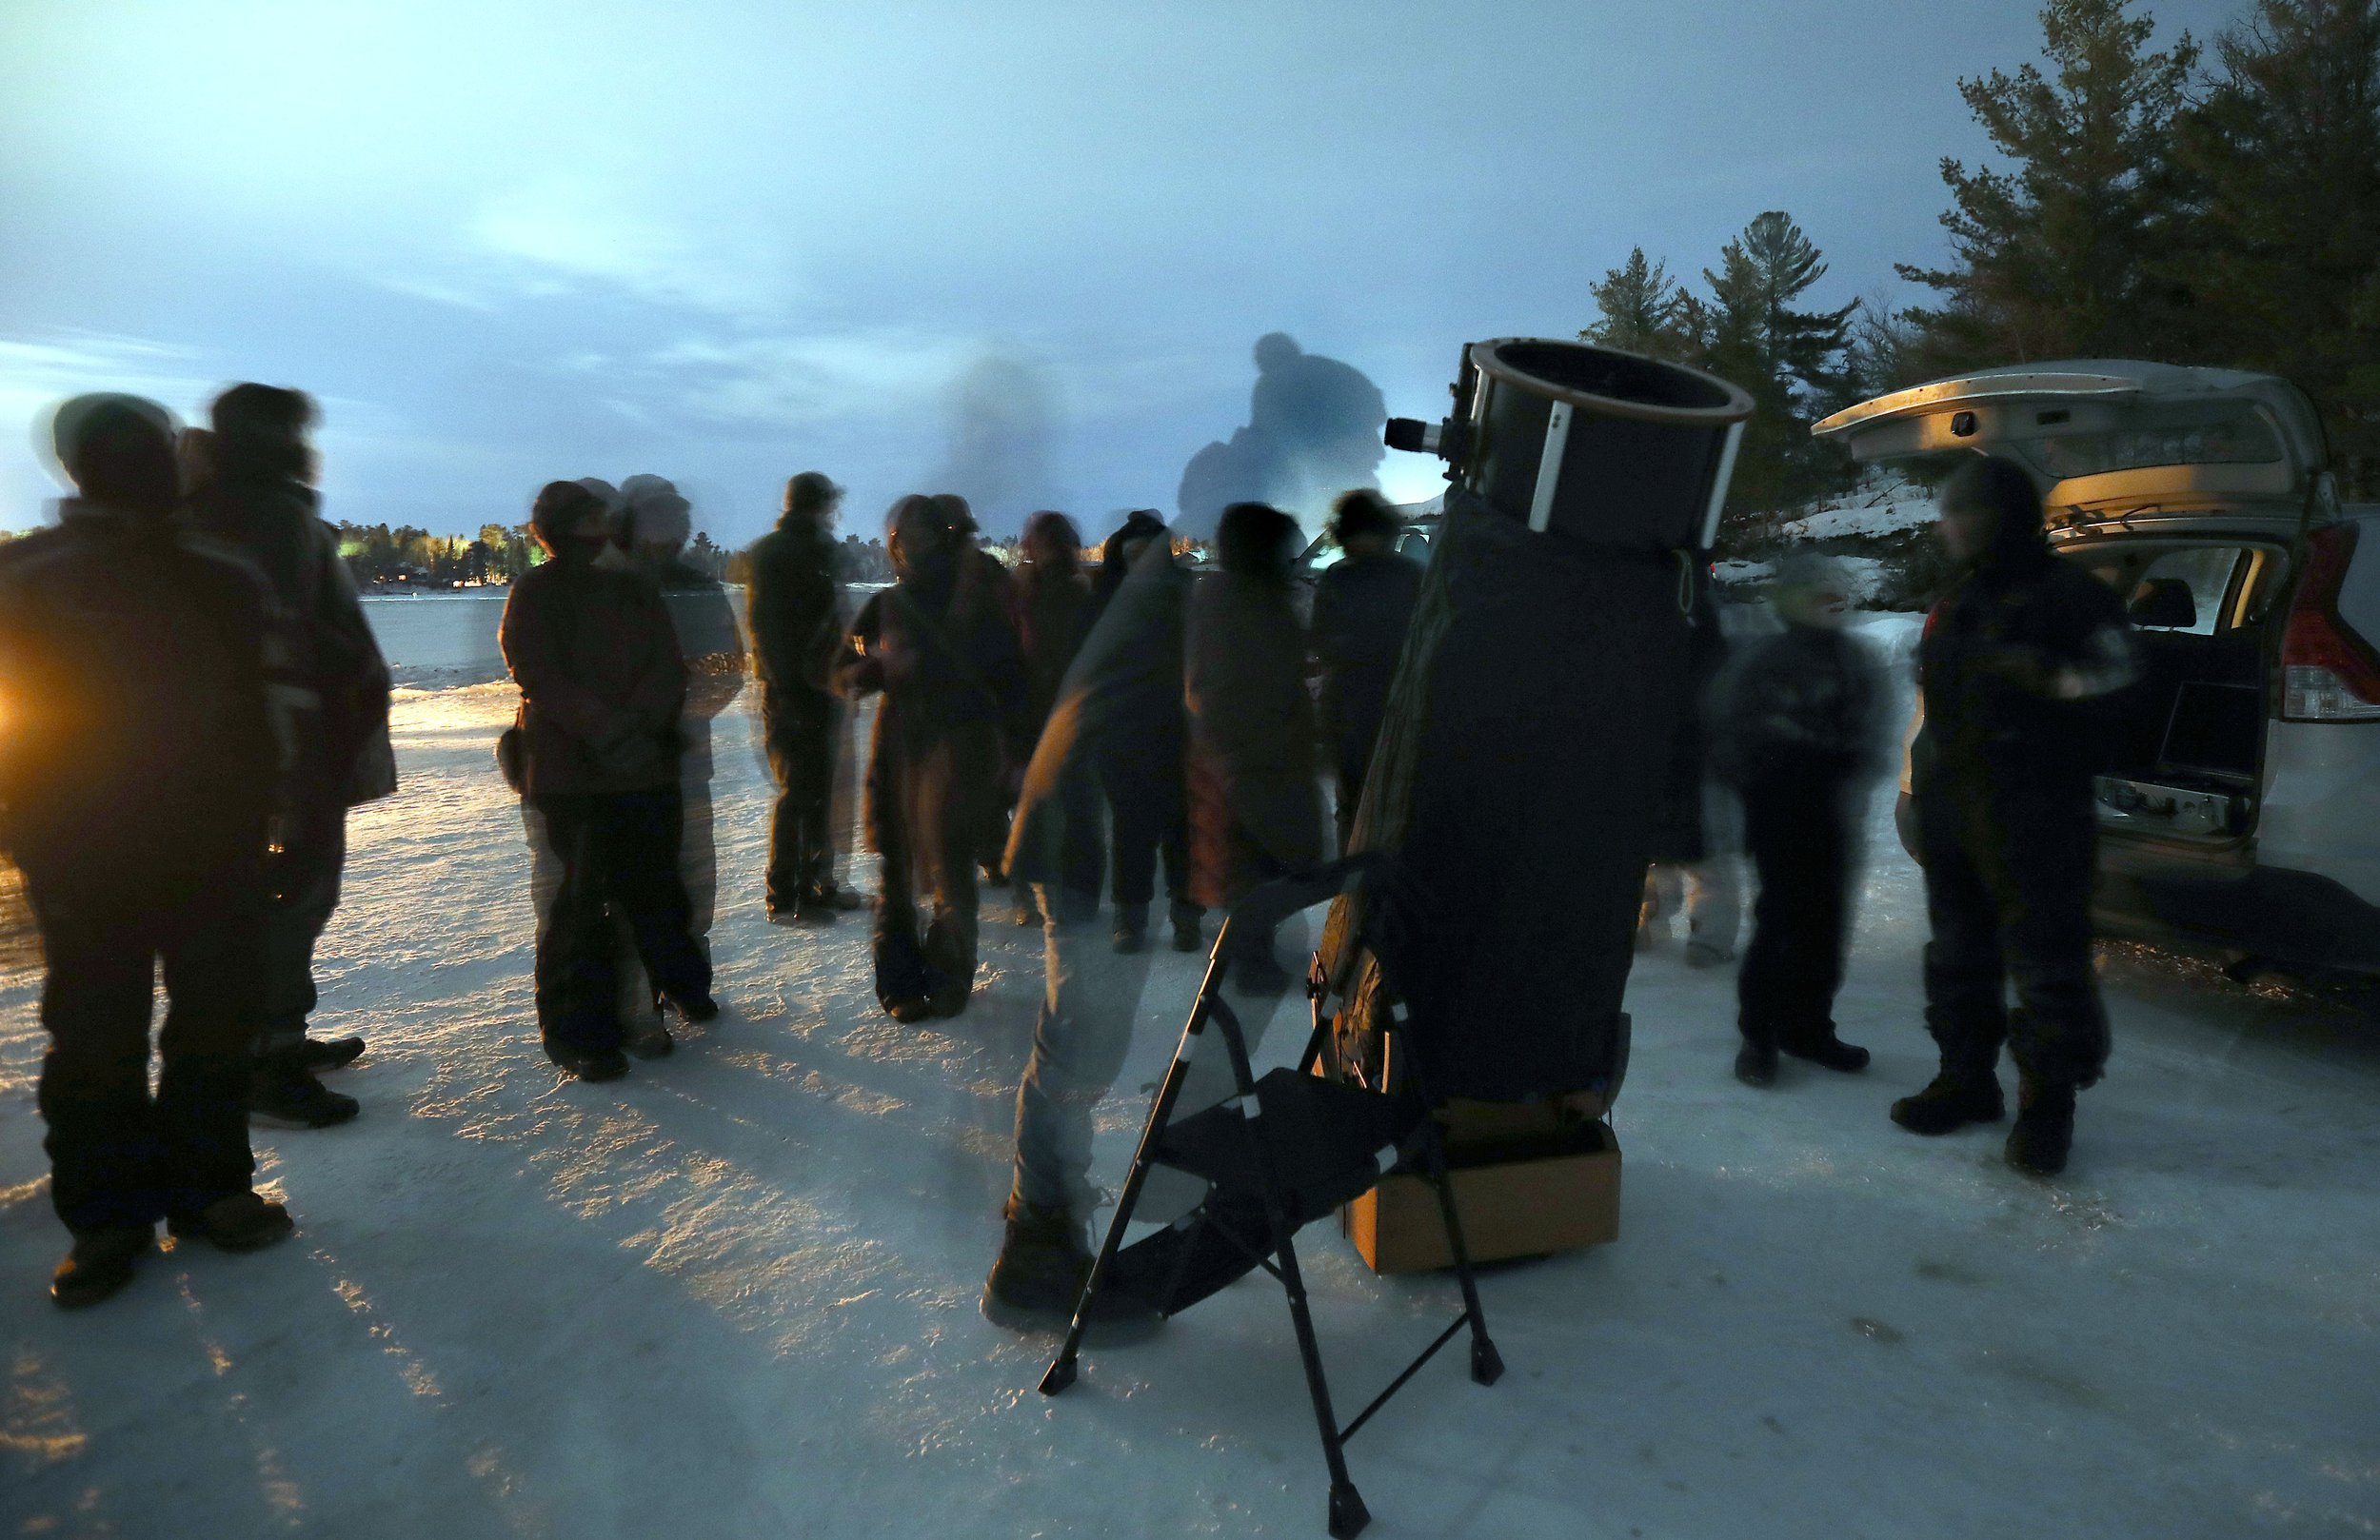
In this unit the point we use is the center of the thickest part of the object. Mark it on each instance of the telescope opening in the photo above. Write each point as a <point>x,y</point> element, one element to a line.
<point>1616,376</point>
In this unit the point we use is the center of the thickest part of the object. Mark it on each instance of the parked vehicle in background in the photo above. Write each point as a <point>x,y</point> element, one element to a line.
<point>2243,806</point>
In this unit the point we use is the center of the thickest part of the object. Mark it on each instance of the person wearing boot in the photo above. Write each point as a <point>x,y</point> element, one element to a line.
<point>1125,677</point>
<point>1362,608</point>
<point>2016,666</point>
<point>793,609</point>
<point>940,646</point>
<point>137,777</point>
<point>257,493</point>
<point>1798,725</point>
<point>603,685</point>
<point>1140,769</point>
<point>1255,809</point>
<point>1051,606</point>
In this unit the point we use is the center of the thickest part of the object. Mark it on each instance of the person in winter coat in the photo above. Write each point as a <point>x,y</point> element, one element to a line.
<point>985,573</point>
<point>1255,809</point>
<point>602,691</point>
<point>1140,769</point>
<point>2016,666</point>
<point>1798,723</point>
<point>1051,605</point>
<point>655,527</point>
<point>256,493</point>
<point>793,606</point>
<point>1362,608</point>
<point>941,648</point>
<point>138,769</point>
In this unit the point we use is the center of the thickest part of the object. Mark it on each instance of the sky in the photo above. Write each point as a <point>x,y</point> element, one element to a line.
<point>728,239</point>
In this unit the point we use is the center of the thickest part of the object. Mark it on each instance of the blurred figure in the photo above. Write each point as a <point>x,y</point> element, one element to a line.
<point>1362,608</point>
<point>1128,676</point>
<point>1255,807</point>
<point>1698,839</point>
<point>940,646</point>
<point>1051,603</point>
<point>1314,428</point>
<point>2014,667</point>
<point>1799,730</point>
<point>137,777</point>
<point>1139,767</point>
<point>657,527</point>
<point>793,606</point>
<point>603,689</point>
<point>256,493</point>
<point>996,798</point>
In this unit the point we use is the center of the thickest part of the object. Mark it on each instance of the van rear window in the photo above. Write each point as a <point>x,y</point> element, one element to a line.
<point>2234,436</point>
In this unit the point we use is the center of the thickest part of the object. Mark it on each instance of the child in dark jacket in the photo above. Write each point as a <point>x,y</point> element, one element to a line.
<point>1798,725</point>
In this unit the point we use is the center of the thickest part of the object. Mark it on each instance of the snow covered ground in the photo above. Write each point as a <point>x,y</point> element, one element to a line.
<point>735,1295</point>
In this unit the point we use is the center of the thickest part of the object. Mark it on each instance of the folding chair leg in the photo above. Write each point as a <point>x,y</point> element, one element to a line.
<point>1347,1513</point>
<point>1487,1364</point>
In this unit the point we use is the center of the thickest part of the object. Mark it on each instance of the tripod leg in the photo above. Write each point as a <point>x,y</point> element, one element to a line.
<point>1061,1369</point>
<point>1487,1364</point>
<point>1347,1513</point>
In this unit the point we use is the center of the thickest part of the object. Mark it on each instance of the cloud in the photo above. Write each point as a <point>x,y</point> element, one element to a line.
<point>795,380</point>
<point>573,231</point>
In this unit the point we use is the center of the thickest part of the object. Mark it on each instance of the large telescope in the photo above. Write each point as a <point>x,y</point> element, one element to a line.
<point>1535,723</point>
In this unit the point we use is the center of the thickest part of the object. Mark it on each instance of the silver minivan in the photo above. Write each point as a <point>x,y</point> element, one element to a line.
<point>2243,808</point>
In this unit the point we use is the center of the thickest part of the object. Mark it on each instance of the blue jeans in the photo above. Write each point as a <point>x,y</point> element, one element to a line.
<point>1089,1003</point>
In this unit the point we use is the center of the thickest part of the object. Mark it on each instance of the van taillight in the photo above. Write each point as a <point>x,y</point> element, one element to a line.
<point>2329,673</point>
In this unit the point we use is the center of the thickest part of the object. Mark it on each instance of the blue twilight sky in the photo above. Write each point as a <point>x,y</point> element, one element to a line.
<point>725,240</point>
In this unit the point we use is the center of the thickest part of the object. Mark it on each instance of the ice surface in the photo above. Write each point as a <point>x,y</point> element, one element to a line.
<point>735,1295</point>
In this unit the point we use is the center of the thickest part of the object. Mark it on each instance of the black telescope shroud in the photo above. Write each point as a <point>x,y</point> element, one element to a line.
<point>1536,721</point>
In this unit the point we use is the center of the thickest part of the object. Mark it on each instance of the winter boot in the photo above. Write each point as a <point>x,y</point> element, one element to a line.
<point>1824,1049</point>
<point>101,1262</point>
<point>329,1052</point>
<point>1186,918</point>
<point>693,1005</point>
<point>1756,1064</point>
<point>243,1222</point>
<point>1040,1272</point>
<point>280,1094</point>
<point>648,1038</point>
<point>1953,1100</point>
<point>588,1063</point>
<point>817,907</point>
<point>2045,1125</point>
<point>1707,955</point>
<point>1132,928</point>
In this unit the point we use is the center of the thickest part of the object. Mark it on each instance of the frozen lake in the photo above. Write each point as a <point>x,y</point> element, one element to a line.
<point>440,638</point>
<point>735,1294</point>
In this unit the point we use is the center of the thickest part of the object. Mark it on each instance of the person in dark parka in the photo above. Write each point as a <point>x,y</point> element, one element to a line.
<point>1255,809</point>
<point>794,612</point>
<point>1799,727</point>
<point>2016,666</point>
<point>1362,608</point>
<point>1050,601</point>
<point>258,496</point>
<point>984,573</point>
<point>603,688</point>
<point>1140,768</point>
<point>941,646</point>
<point>138,771</point>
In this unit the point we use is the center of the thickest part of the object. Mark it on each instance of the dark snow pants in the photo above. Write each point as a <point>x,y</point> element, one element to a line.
<point>798,728</point>
<point>119,1157</point>
<point>929,840</point>
<point>1148,819</point>
<point>304,875</point>
<point>2007,894</point>
<point>619,854</point>
<point>1798,829</point>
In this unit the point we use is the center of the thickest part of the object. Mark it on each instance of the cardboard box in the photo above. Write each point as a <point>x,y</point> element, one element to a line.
<point>1530,1204</point>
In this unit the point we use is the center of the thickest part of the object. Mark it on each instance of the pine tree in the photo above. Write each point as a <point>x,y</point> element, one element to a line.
<point>2056,256</point>
<point>1640,307</point>
<point>1789,360</point>
<point>2284,156</point>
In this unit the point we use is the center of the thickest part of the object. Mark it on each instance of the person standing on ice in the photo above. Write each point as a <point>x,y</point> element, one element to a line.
<point>792,605</point>
<point>1799,728</point>
<point>1362,608</point>
<point>1256,808</point>
<point>656,526</point>
<point>985,573</point>
<point>939,645</point>
<point>2016,666</point>
<point>138,767</point>
<point>1140,766</point>
<point>258,495</point>
<point>603,688</point>
<point>1698,837</point>
<point>1051,605</point>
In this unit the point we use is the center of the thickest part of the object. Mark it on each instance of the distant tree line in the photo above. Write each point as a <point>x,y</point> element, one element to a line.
<point>2216,205</point>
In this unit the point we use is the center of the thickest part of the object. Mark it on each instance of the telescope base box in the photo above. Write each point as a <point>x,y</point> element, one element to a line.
<point>1556,1192</point>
